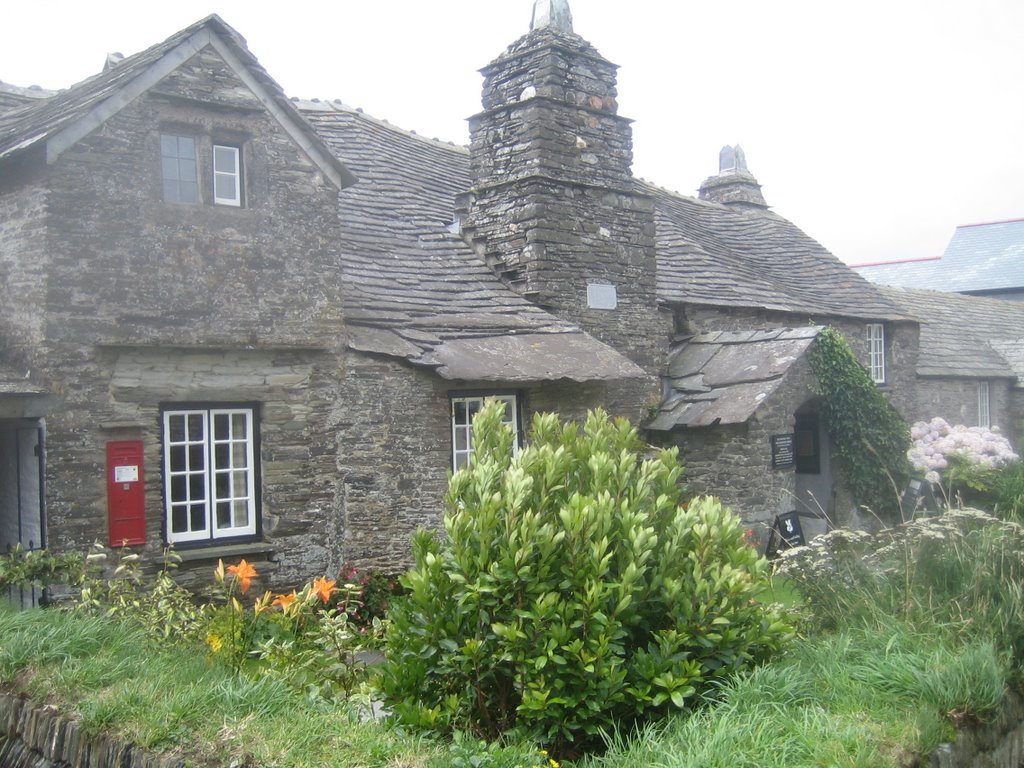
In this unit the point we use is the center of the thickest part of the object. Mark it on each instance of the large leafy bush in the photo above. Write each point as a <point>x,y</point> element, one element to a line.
<point>572,591</point>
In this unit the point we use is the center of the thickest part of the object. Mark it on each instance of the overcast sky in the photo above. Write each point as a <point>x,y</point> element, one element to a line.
<point>877,126</point>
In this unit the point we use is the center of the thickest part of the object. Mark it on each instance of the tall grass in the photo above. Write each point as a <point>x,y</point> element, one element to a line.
<point>859,699</point>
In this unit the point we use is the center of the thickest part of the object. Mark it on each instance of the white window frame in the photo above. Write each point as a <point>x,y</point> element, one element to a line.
<point>876,352</point>
<point>232,175</point>
<point>984,405</point>
<point>196,488</point>
<point>175,168</point>
<point>462,423</point>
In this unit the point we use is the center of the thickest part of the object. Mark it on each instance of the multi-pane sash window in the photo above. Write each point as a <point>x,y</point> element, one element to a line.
<point>876,352</point>
<point>178,161</point>
<point>463,411</point>
<point>227,175</point>
<point>209,473</point>
<point>984,414</point>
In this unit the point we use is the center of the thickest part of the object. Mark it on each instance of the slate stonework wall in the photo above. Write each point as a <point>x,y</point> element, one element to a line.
<point>395,450</point>
<point>956,401</point>
<point>148,302</point>
<point>23,262</point>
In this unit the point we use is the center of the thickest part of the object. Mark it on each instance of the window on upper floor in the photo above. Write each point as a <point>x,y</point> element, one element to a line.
<point>876,352</point>
<point>178,163</point>
<point>210,473</point>
<point>984,412</point>
<point>195,170</point>
<point>227,175</point>
<point>464,408</point>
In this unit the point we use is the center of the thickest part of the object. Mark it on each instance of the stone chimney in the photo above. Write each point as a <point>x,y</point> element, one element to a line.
<point>554,207</point>
<point>734,185</point>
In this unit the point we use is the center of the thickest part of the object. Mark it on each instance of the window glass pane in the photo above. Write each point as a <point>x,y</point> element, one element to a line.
<point>196,487</point>
<point>178,488</point>
<point>240,456</point>
<point>241,485</point>
<point>196,427</point>
<point>220,426</point>
<point>223,514</point>
<point>168,145</point>
<point>241,509</point>
<point>175,428</point>
<point>221,456</point>
<point>460,412</point>
<point>461,438</point>
<point>186,173</point>
<point>239,426</point>
<point>177,456</point>
<point>196,456</point>
<point>186,147</point>
<point>179,519</point>
<point>224,187</point>
<point>224,159</point>
<point>198,517</point>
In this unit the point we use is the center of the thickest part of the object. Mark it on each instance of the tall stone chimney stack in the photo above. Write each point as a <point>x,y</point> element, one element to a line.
<point>554,207</point>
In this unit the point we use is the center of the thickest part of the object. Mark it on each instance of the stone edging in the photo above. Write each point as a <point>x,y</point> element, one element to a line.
<point>40,737</point>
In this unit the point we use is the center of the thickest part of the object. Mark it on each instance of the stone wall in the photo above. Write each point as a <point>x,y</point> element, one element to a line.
<point>395,450</point>
<point>956,401</point>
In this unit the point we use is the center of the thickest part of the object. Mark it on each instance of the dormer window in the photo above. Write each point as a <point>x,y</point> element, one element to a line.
<point>227,175</point>
<point>178,161</point>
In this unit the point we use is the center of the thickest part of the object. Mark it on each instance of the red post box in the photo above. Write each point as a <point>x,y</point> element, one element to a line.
<point>126,497</point>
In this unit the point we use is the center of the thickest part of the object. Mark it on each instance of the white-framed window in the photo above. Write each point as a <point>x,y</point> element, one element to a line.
<point>210,472</point>
<point>178,165</point>
<point>227,175</point>
<point>984,412</point>
<point>464,408</point>
<point>876,352</point>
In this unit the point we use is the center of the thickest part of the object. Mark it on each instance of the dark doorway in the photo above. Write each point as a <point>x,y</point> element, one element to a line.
<point>21,491</point>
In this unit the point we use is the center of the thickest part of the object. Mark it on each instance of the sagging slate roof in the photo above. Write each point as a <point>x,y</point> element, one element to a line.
<point>979,258</point>
<point>710,253</point>
<point>57,122</point>
<point>966,336</point>
<point>414,289</point>
<point>722,378</point>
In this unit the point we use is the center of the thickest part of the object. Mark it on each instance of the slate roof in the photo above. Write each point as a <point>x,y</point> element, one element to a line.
<point>966,336</point>
<point>709,253</point>
<point>82,107</point>
<point>13,97</point>
<point>979,258</point>
<point>415,290</point>
<point>722,378</point>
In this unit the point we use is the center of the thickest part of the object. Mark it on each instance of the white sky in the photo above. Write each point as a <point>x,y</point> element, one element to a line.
<point>877,126</point>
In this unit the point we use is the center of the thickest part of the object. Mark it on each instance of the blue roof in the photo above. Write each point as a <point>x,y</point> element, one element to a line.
<point>979,258</point>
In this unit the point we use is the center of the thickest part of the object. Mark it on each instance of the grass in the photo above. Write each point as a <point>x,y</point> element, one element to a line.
<point>862,699</point>
<point>906,636</point>
<point>170,700</point>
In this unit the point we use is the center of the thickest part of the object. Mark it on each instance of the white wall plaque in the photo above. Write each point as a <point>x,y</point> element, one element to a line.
<point>602,296</point>
<point>126,474</point>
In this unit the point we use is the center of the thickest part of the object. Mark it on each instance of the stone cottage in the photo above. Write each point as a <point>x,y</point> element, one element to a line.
<point>247,326</point>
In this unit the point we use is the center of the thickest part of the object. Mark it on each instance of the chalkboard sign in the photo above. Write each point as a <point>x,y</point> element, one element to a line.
<point>786,532</point>
<point>783,451</point>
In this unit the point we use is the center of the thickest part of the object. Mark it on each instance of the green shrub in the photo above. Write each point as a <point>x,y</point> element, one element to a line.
<point>572,591</point>
<point>40,567</point>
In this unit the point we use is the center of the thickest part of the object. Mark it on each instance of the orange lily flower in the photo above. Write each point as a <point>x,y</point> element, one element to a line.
<point>285,601</point>
<point>244,572</point>
<point>324,588</point>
